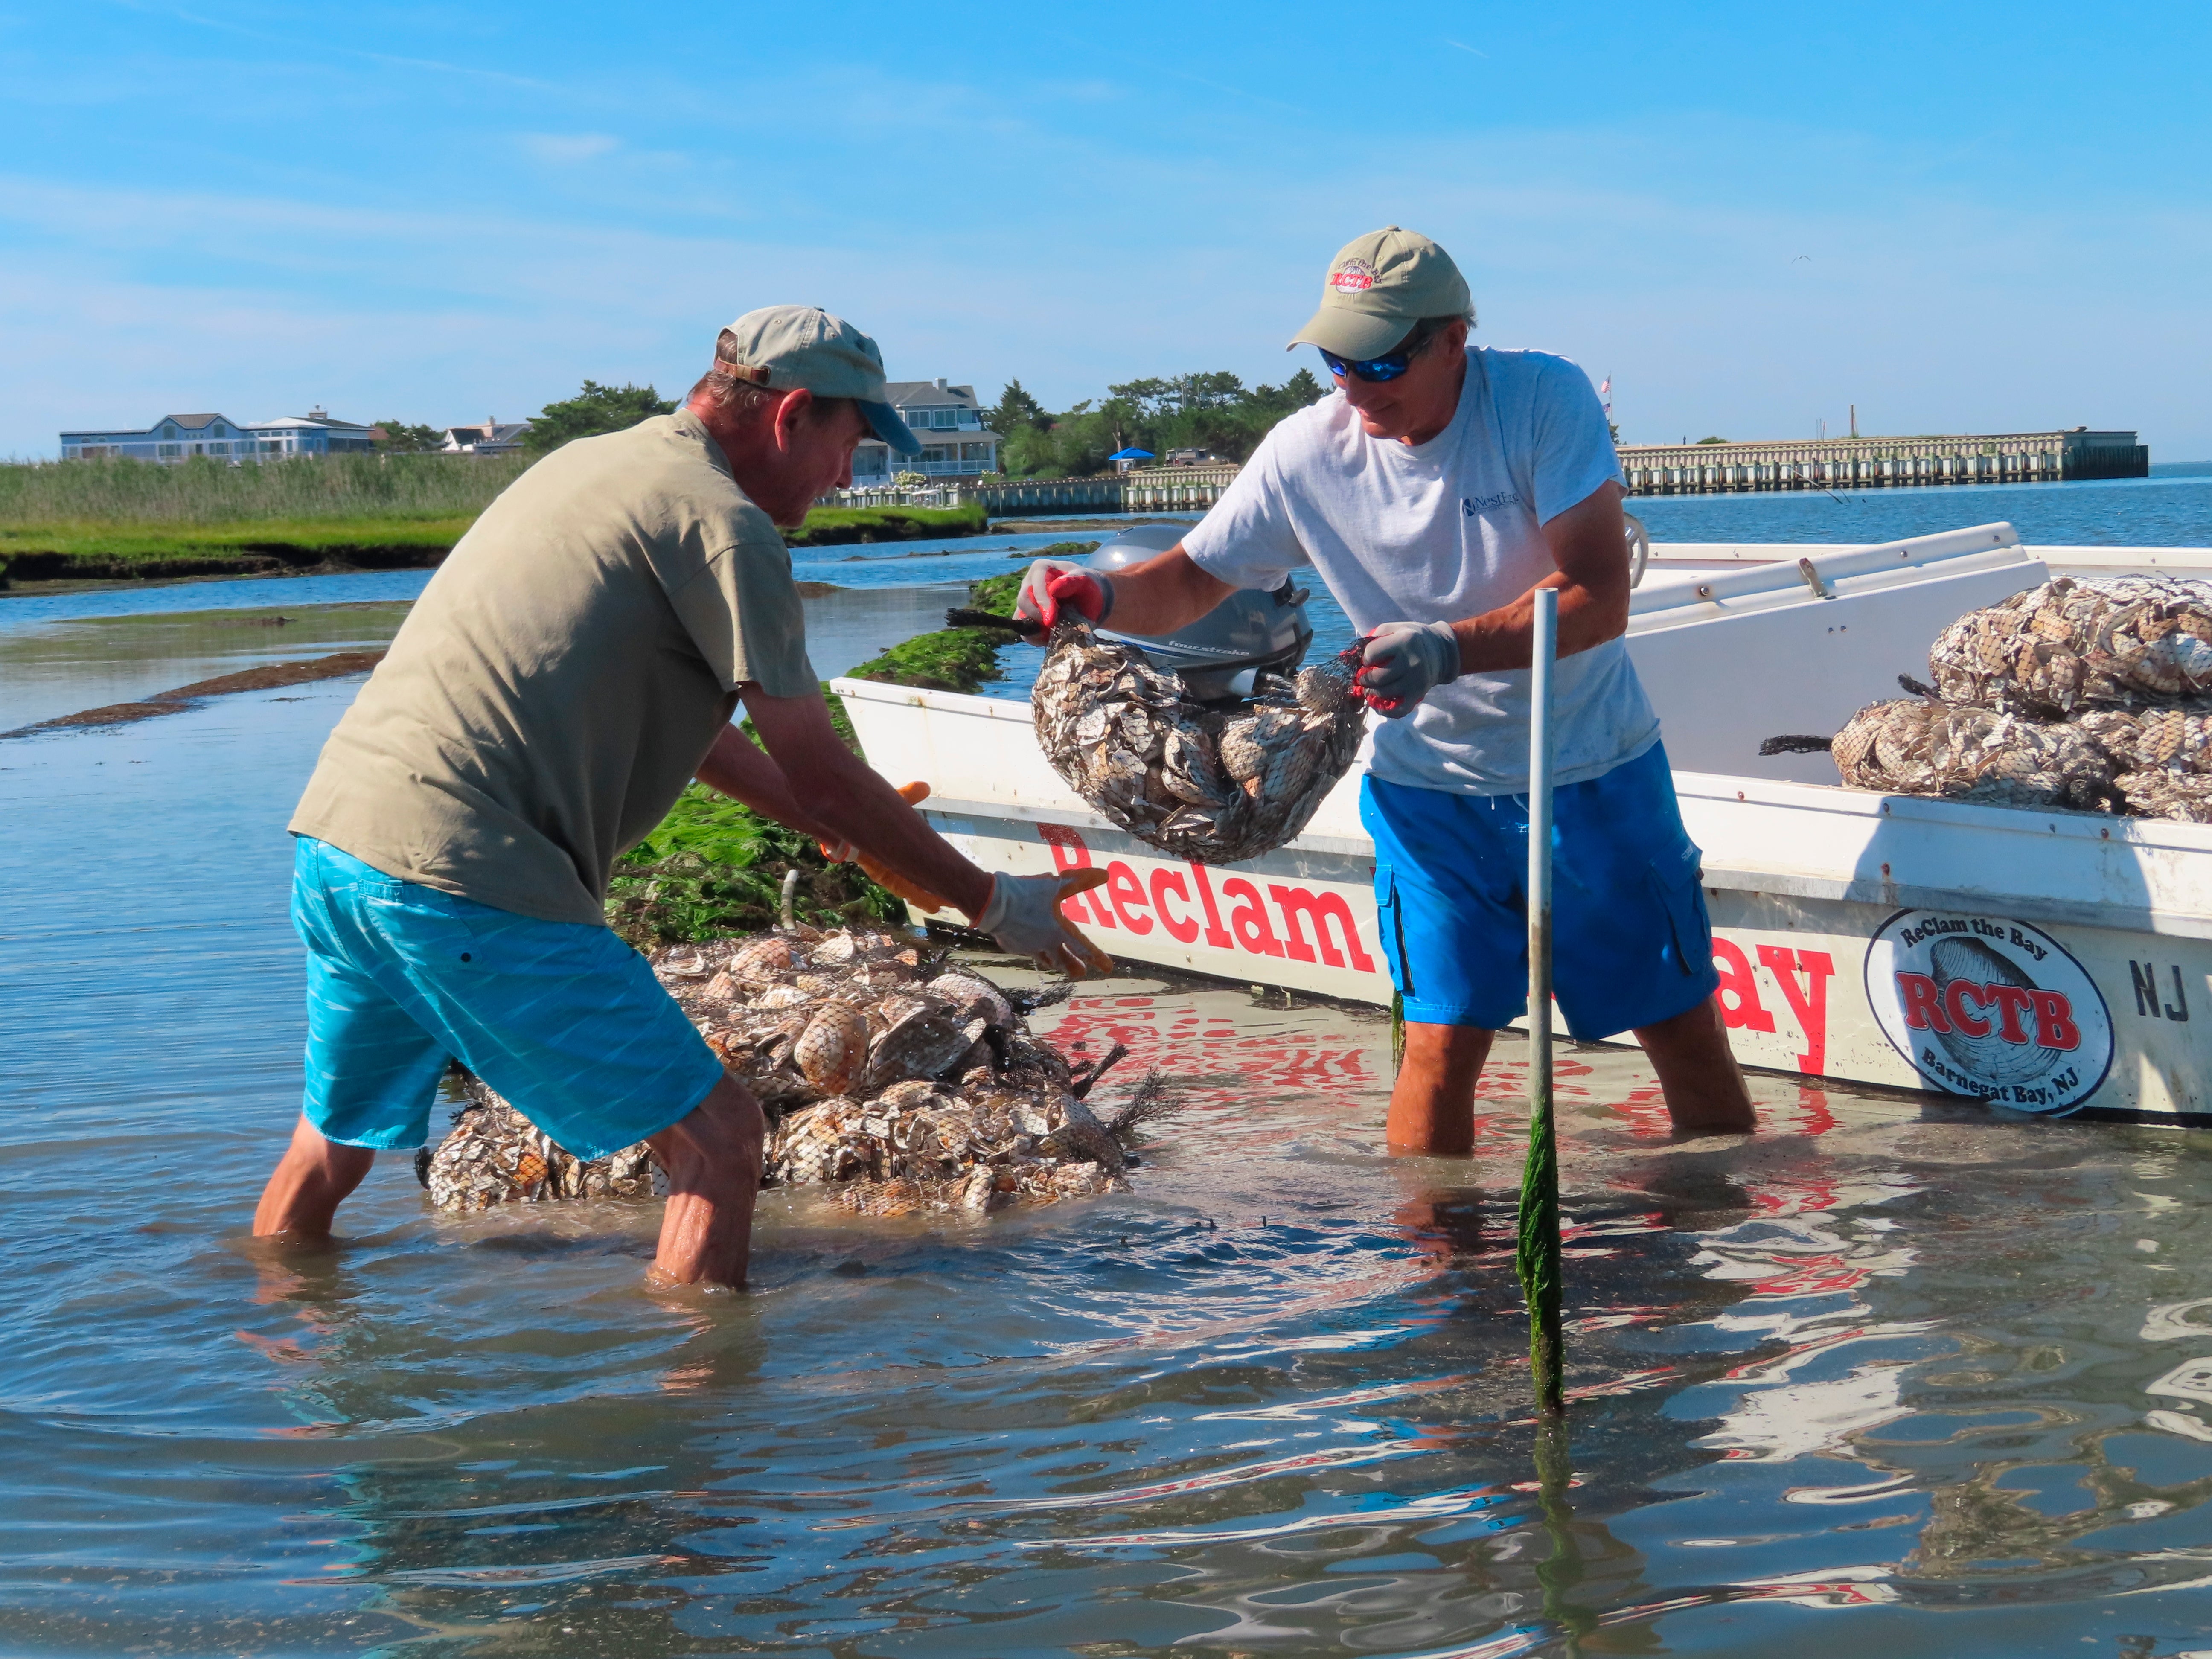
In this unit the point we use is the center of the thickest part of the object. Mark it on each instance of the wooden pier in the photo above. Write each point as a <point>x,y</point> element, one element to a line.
<point>1879,463</point>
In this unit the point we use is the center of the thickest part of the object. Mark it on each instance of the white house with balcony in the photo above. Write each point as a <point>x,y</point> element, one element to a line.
<point>494,437</point>
<point>175,438</point>
<point>949,420</point>
<point>314,433</point>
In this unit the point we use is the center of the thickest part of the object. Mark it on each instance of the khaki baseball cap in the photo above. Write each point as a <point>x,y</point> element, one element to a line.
<point>784,348</point>
<point>1379,285</point>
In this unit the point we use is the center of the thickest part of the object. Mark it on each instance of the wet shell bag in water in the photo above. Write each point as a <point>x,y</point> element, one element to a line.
<point>1201,783</point>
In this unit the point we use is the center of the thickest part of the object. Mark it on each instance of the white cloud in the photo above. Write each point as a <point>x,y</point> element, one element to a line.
<point>566,149</point>
<point>1070,262</point>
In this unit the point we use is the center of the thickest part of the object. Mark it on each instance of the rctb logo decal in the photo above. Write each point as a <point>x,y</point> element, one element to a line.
<point>1352,277</point>
<point>1985,1006</point>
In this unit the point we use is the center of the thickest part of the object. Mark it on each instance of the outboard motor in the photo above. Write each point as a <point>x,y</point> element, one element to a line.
<point>1221,656</point>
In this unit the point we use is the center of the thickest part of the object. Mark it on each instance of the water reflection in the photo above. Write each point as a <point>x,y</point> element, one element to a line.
<point>1886,1377</point>
<point>53,663</point>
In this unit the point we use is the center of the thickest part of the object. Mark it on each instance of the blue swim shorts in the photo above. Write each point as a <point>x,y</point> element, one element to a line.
<point>564,1020</point>
<point>1631,943</point>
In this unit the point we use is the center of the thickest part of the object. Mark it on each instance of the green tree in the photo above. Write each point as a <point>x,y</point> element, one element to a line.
<point>594,410</point>
<point>401,439</point>
<point>1204,410</point>
<point>1712,440</point>
<point>1015,409</point>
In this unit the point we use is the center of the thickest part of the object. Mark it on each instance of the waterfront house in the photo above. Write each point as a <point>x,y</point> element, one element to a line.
<point>949,420</point>
<point>172,439</point>
<point>314,433</point>
<point>494,437</point>
<point>175,438</point>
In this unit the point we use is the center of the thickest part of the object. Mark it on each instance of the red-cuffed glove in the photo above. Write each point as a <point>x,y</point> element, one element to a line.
<point>1051,583</point>
<point>1402,662</point>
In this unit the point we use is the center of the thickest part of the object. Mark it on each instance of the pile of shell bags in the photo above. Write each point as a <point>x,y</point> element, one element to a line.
<point>2093,696</point>
<point>904,1086</point>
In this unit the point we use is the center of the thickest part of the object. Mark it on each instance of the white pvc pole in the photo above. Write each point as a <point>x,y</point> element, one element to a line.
<point>1538,1256</point>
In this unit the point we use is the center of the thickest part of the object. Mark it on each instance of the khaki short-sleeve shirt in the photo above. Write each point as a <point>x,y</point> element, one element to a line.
<point>564,675</point>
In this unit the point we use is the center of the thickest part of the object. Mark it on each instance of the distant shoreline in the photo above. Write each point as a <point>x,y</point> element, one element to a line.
<point>131,552</point>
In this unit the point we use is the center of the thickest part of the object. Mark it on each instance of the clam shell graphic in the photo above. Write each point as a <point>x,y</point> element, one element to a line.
<point>1990,1057</point>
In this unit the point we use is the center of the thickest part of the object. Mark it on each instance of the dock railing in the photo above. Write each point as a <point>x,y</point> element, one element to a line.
<point>1878,463</point>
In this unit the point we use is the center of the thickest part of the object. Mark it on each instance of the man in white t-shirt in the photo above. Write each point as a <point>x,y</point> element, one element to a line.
<point>1434,493</point>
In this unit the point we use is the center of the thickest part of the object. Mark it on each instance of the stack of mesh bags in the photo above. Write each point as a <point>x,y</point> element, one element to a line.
<point>2093,696</point>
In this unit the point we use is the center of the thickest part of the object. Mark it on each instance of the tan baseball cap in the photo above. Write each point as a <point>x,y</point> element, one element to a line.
<point>784,348</point>
<point>1379,285</point>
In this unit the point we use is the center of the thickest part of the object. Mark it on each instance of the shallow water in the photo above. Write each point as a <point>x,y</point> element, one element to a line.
<point>1886,1378</point>
<point>73,652</point>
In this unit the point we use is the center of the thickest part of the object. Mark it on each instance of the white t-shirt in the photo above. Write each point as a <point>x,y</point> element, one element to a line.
<point>1441,531</point>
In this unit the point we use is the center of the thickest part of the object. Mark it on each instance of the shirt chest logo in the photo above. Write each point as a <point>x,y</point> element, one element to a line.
<point>1471,504</point>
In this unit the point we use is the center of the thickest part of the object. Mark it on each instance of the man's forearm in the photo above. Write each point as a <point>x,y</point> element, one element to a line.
<point>859,806</point>
<point>1588,542</point>
<point>1503,638</point>
<point>741,769</point>
<point>1163,594</point>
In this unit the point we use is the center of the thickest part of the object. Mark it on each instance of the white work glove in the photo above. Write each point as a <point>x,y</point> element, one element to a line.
<point>1051,583</point>
<point>1402,662</point>
<point>1024,916</point>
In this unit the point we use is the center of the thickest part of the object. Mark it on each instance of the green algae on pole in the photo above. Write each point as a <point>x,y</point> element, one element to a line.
<point>1536,1257</point>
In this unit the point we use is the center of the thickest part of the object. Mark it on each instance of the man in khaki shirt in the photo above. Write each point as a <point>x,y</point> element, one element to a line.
<point>571,666</point>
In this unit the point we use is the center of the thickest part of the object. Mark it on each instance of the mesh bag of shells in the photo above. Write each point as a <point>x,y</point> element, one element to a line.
<point>903,1085</point>
<point>2130,642</point>
<point>1213,786</point>
<point>2095,697</point>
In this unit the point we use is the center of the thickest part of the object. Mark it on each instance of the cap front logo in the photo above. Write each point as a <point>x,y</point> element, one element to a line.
<point>1352,276</point>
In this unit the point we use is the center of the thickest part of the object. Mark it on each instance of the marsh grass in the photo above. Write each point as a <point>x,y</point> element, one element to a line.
<point>828,526</point>
<point>114,494</point>
<point>119,519</point>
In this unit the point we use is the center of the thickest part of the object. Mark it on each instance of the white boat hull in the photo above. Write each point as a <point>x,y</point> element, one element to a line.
<point>2045,962</point>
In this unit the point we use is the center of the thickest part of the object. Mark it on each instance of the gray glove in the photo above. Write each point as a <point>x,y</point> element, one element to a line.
<point>1024,916</point>
<point>1403,662</point>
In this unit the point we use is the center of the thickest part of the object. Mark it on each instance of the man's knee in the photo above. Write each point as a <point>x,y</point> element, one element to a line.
<point>725,1134</point>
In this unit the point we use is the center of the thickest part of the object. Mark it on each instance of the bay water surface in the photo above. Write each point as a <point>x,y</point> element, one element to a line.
<point>1895,1375</point>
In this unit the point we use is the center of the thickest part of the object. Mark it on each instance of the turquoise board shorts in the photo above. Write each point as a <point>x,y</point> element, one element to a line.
<point>563,1019</point>
<point>1630,942</point>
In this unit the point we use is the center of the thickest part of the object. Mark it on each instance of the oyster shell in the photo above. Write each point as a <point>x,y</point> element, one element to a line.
<point>1196,782</point>
<point>496,1156</point>
<point>921,1037</point>
<point>833,1050</point>
<point>902,1097</point>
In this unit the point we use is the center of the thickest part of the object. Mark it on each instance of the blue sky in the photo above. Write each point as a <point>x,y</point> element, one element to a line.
<point>1962,218</point>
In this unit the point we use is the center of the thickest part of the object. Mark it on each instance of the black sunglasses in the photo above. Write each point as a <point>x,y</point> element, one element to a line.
<point>1377,370</point>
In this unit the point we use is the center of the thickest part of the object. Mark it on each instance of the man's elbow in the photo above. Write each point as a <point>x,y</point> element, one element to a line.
<point>1602,616</point>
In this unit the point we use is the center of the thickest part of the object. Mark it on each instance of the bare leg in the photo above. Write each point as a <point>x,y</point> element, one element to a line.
<point>1697,1072</point>
<point>311,1180</point>
<point>713,1158</point>
<point>1432,1106</point>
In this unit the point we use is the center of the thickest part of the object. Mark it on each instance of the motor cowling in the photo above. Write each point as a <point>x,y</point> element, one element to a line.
<point>1219,656</point>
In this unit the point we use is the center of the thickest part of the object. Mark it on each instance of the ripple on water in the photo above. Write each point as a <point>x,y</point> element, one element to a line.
<point>1875,1366</point>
